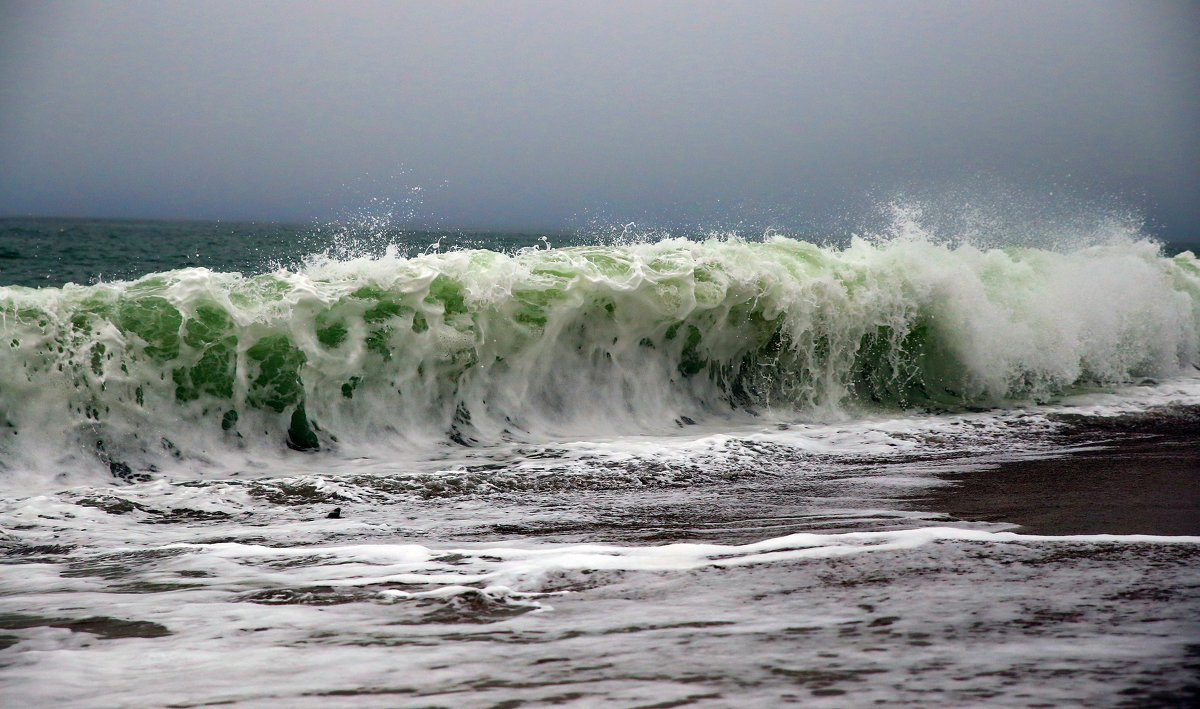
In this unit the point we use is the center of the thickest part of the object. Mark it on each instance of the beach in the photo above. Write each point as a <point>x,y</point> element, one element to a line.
<point>1129,475</point>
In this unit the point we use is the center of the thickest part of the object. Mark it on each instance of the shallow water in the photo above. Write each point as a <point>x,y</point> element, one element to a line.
<point>743,569</point>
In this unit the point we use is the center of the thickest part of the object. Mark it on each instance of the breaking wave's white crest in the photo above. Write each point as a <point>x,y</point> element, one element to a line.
<point>478,347</point>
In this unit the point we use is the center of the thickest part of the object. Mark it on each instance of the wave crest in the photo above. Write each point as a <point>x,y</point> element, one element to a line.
<point>478,346</point>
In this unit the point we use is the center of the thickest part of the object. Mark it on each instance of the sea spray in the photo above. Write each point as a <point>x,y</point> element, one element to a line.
<point>474,347</point>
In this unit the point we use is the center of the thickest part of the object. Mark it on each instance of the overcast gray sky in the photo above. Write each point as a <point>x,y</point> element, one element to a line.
<point>555,114</point>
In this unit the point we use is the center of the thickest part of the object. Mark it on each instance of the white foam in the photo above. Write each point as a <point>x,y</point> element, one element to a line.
<point>551,345</point>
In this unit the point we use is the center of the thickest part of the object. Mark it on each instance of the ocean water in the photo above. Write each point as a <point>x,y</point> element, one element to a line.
<point>274,465</point>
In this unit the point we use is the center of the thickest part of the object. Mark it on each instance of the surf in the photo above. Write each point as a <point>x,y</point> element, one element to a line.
<point>474,347</point>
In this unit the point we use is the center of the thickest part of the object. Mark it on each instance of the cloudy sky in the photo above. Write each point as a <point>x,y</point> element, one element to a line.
<point>555,114</point>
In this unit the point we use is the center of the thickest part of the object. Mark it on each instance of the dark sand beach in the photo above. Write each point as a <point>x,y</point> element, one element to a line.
<point>1137,474</point>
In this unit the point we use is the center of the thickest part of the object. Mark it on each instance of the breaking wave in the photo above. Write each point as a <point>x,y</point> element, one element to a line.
<point>475,347</point>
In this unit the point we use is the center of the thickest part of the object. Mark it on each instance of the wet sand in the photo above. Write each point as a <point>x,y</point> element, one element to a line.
<point>1142,477</point>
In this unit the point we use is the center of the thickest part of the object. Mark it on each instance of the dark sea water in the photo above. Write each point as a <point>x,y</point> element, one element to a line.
<point>310,465</point>
<point>51,252</point>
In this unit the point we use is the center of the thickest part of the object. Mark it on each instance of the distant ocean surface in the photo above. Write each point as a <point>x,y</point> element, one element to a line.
<point>304,465</point>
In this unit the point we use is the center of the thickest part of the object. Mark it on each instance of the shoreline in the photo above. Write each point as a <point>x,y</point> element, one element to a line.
<point>1140,475</point>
